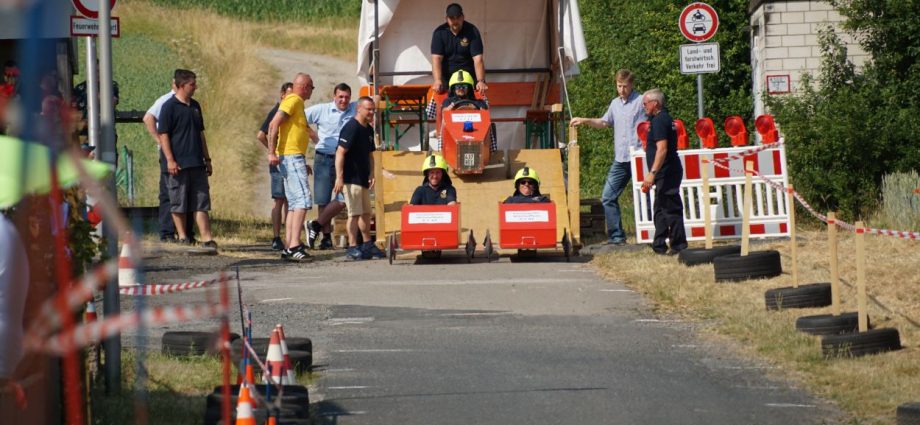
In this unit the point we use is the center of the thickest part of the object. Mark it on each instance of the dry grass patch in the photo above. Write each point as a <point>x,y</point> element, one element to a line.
<point>870,388</point>
<point>337,37</point>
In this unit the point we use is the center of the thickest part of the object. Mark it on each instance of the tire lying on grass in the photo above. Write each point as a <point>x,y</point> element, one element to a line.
<point>812,295</point>
<point>827,324</point>
<point>191,343</point>
<point>909,414</point>
<point>755,265</point>
<point>695,256</point>
<point>856,344</point>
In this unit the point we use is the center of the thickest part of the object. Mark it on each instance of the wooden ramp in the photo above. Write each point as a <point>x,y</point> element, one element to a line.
<point>478,195</point>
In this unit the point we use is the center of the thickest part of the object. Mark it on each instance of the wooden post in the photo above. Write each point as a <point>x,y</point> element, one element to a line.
<point>832,250</point>
<point>790,208</point>
<point>861,277</point>
<point>379,213</point>
<point>574,195</point>
<point>748,205</point>
<point>707,213</point>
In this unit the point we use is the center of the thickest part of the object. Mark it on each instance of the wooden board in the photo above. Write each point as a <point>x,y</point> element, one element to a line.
<point>478,195</point>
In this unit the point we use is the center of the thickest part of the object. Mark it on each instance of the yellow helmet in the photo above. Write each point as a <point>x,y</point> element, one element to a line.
<point>526,173</point>
<point>434,161</point>
<point>460,77</point>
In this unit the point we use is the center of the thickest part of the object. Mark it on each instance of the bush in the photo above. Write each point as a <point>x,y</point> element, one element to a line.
<point>901,201</point>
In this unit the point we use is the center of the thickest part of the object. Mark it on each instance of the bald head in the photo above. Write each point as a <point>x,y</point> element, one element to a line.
<point>303,85</point>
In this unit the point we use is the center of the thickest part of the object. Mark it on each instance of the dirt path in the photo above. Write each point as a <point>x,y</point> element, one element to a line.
<point>326,72</point>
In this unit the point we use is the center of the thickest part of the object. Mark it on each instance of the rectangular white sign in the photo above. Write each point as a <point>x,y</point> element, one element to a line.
<point>466,117</point>
<point>534,216</point>
<point>85,27</point>
<point>429,217</point>
<point>699,58</point>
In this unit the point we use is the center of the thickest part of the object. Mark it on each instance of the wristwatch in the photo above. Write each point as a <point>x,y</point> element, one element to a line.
<point>653,172</point>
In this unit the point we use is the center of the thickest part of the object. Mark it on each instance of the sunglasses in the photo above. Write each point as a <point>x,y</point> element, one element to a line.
<point>528,182</point>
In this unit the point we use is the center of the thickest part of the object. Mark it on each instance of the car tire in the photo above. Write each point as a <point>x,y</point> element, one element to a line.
<point>755,265</point>
<point>908,414</point>
<point>828,324</point>
<point>857,344</point>
<point>696,256</point>
<point>191,343</point>
<point>812,295</point>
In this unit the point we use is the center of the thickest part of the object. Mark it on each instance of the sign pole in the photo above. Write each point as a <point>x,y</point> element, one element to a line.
<point>92,92</point>
<point>699,96</point>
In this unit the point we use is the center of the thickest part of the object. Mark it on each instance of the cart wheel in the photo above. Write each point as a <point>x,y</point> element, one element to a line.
<point>470,247</point>
<point>391,248</point>
<point>487,244</point>
<point>566,245</point>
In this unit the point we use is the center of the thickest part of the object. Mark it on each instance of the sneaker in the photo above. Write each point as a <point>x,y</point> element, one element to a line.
<point>210,244</point>
<point>370,250</point>
<point>354,253</point>
<point>313,231</point>
<point>299,254</point>
<point>326,243</point>
<point>285,254</point>
<point>188,241</point>
<point>277,245</point>
<point>617,242</point>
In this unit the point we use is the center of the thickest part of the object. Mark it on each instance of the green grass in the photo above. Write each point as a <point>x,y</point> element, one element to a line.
<point>274,10</point>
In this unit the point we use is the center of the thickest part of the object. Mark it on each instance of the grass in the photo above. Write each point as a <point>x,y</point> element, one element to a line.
<point>275,10</point>
<point>869,388</point>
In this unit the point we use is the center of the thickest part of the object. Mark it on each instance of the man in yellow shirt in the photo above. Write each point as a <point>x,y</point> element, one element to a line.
<point>288,137</point>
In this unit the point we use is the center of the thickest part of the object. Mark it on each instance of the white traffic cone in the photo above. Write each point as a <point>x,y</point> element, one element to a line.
<point>274,358</point>
<point>289,378</point>
<point>127,275</point>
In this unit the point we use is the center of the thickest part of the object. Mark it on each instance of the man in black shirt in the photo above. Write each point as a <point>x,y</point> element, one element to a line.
<point>666,173</point>
<point>456,45</point>
<point>354,165</point>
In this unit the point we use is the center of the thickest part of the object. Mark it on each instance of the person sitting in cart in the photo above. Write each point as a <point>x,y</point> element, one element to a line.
<point>436,188</point>
<point>526,188</point>
<point>461,93</point>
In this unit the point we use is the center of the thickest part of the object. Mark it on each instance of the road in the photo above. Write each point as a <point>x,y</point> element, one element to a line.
<point>545,342</point>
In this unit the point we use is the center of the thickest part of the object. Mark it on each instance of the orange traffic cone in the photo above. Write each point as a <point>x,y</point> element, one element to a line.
<point>271,421</point>
<point>127,276</point>
<point>289,378</point>
<point>274,359</point>
<point>244,414</point>
<point>90,315</point>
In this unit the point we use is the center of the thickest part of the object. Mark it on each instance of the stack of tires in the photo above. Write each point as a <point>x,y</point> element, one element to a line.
<point>294,410</point>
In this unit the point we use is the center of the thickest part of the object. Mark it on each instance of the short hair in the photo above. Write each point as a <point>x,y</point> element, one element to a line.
<point>341,87</point>
<point>286,87</point>
<point>183,77</point>
<point>363,99</point>
<point>625,76</point>
<point>656,95</point>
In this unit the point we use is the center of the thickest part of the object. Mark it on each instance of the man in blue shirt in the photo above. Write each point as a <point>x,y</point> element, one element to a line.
<point>624,114</point>
<point>329,119</point>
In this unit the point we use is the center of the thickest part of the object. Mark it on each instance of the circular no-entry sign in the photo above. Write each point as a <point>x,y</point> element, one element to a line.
<point>90,8</point>
<point>698,22</point>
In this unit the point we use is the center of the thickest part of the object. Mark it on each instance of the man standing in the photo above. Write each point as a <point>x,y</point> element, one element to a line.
<point>279,209</point>
<point>666,173</point>
<point>624,114</point>
<point>329,119</point>
<point>185,150</point>
<point>290,131</point>
<point>354,165</point>
<point>457,45</point>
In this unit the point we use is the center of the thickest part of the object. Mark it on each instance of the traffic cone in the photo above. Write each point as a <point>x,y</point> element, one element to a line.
<point>244,414</point>
<point>127,276</point>
<point>289,377</point>
<point>274,358</point>
<point>90,315</point>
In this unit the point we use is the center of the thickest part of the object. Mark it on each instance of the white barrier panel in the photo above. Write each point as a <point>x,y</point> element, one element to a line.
<point>769,215</point>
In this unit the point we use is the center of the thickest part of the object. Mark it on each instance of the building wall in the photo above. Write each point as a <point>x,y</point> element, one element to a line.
<point>784,41</point>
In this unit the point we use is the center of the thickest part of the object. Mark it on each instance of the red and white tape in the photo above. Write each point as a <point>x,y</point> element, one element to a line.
<point>76,296</point>
<point>743,154</point>
<point>92,333</point>
<point>148,290</point>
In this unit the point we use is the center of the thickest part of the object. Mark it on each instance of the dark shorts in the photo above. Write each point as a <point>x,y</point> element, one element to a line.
<point>189,190</point>
<point>277,182</point>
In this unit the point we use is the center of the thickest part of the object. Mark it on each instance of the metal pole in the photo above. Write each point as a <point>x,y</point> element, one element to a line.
<point>92,92</point>
<point>110,301</point>
<point>699,96</point>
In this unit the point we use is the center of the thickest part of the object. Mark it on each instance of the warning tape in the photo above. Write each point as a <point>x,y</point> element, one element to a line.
<point>76,296</point>
<point>148,290</point>
<point>92,333</point>
<point>743,154</point>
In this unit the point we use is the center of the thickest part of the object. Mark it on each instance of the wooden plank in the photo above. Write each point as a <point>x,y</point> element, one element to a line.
<point>861,300</point>
<point>574,194</point>
<point>379,198</point>
<point>835,271</point>
<point>519,94</point>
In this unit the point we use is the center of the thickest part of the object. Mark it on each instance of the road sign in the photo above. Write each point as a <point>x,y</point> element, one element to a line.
<point>778,84</point>
<point>86,27</point>
<point>90,8</point>
<point>698,22</point>
<point>699,58</point>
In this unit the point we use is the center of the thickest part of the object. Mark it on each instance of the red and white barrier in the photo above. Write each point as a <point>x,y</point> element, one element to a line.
<point>148,290</point>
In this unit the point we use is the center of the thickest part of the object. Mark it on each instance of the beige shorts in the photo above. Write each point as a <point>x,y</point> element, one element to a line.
<point>357,199</point>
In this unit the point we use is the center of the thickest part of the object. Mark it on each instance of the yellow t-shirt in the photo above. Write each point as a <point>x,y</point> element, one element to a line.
<point>293,136</point>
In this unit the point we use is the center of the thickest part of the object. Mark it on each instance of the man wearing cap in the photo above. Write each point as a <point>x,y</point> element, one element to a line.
<point>456,45</point>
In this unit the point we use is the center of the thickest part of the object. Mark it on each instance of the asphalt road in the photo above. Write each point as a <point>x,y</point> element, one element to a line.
<point>544,342</point>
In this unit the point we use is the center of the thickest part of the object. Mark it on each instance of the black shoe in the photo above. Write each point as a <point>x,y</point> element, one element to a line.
<point>285,254</point>
<point>188,241</point>
<point>313,231</point>
<point>326,243</point>
<point>210,244</point>
<point>277,245</point>
<point>299,254</point>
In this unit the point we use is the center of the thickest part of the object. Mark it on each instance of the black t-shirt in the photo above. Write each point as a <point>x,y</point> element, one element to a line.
<point>517,198</point>
<point>427,195</point>
<point>359,140</point>
<point>458,50</point>
<point>184,124</point>
<point>268,119</point>
<point>662,128</point>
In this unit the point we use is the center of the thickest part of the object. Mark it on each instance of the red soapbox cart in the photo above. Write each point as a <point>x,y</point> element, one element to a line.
<point>430,229</point>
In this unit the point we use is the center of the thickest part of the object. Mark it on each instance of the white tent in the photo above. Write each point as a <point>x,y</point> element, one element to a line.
<point>522,38</point>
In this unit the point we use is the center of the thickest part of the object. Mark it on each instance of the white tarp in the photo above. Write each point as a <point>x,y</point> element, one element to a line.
<point>517,34</point>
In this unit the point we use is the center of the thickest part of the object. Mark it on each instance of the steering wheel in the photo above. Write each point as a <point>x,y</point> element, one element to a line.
<point>465,104</point>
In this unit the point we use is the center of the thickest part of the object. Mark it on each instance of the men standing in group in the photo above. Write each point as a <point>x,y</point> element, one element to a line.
<point>167,226</point>
<point>457,45</point>
<point>329,119</point>
<point>185,150</point>
<point>288,137</point>
<point>279,209</point>
<point>666,173</point>
<point>354,165</point>
<point>624,114</point>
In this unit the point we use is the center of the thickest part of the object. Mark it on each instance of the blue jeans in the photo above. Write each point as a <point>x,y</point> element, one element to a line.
<point>617,178</point>
<point>324,179</point>
<point>296,188</point>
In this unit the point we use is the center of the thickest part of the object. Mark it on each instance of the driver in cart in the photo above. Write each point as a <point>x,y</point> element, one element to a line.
<point>460,97</point>
<point>436,188</point>
<point>526,188</point>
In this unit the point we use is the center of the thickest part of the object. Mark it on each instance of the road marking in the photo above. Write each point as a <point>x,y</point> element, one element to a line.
<point>271,300</point>
<point>497,313</point>
<point>684,346</point>
<point>790,405</point>
<point>356,412</point>
<point>657,321</point>
<point>575,271</point>
<point>351,387</point>
<point>350,320</point>
<point>616,290</point>
<point>343,369</point>
<point>378,350</point>
<point>455,282</point>
<point>747,367</point>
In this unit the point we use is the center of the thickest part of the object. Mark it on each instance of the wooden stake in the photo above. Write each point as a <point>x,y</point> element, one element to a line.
<point>707,211</point>
<point>748,205</point>
<point>832,251</point>
<point>574,195</point>
<point>861,277</point>
<point>379,205</point>
<point>790,208</point>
